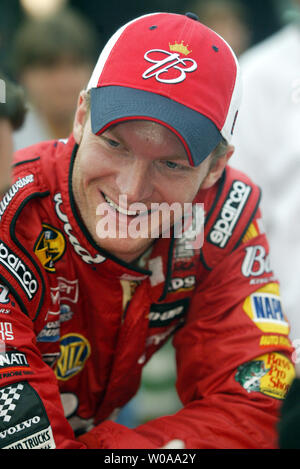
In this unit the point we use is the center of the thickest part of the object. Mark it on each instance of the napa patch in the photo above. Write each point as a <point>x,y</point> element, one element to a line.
<point>265,309</point>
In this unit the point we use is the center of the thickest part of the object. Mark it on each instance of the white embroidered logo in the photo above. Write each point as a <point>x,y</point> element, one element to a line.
<point>168,61</point>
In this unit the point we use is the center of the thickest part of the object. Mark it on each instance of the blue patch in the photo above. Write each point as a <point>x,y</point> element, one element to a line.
<point>74,351</point>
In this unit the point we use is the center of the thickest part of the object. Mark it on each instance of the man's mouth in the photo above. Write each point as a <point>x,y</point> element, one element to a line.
<point>122,210</point>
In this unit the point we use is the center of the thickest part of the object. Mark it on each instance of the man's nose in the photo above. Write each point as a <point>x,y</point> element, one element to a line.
<point>135,181</point>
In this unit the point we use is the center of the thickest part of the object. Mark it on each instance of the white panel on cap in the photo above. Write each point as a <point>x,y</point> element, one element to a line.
<point>107,50</point>
<point>235,101</point>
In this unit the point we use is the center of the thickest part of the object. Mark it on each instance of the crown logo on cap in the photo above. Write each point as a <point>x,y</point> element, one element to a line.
<point>179,47</point>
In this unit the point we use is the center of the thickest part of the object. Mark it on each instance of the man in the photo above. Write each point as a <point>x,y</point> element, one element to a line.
<point>93,282</point>
<point>12,113</point>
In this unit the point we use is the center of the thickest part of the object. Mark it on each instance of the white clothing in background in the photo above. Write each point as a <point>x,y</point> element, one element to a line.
<point>267,141</point>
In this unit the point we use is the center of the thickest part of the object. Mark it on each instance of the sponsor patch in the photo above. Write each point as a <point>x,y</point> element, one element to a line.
<point>256,228</point>
<point>264,307</point>
<point>50,332</point>
<point>256,262</point>
<point>270,340</point>
<point>74,351</point>
<point>49,247</point>
<point>80,250</point>
<point>4,295</point>
<point>163,314</point>
<point>50,358</point>
<point>5,311</point>
<point>39,440</point>
<point>13,359</point>
<point>19,270</point>
<point>65,290</point>
<point>270,374</point>
<point>13,190</point>
<point>5,300</point>
<point>23,420</point>
<point>229,214</point>
<point>13,363</point>
<point>178,284</point>
<point>6,331</point>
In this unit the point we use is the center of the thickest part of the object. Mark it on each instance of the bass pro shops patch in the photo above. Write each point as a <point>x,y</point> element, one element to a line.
<point>270,374</point>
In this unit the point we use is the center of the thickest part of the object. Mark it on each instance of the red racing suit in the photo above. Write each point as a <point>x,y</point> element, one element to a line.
<point>77,325</point>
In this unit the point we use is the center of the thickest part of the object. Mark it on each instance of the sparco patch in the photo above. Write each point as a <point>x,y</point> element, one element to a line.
<point>19,270</point>
<point>23,420</point>
<point>229,214</point>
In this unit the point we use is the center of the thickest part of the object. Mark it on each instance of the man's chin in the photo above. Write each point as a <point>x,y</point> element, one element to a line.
<point>127,250</point>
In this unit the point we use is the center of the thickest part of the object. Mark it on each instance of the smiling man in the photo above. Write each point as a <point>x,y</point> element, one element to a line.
<point>87,300</point>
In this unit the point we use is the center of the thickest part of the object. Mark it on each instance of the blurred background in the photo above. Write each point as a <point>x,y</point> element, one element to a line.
<point>253,20</point>
<point>49,48</point>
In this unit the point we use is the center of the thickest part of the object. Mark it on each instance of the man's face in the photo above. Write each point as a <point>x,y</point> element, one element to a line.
<point>135,162</point>
<point>6,151</point>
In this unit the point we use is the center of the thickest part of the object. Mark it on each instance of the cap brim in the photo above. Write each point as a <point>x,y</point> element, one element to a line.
<point>113,104</point>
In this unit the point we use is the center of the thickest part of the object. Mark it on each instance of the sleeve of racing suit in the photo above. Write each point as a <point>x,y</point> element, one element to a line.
<point>234,364</point>
<point>31,413</point>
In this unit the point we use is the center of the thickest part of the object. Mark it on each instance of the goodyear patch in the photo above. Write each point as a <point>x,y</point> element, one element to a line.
<point>74,352</point>
<point>264,307</point>
<point>270,374</point>
<point>49,247</point>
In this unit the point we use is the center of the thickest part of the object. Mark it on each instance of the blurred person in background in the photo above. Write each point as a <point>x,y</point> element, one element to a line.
<point>229,18</point>
<point>52,59</point>
<point>12,114</point>
<point>268,149</point>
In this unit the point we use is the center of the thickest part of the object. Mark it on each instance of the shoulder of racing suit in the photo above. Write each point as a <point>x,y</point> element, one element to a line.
<point>21,209</point>
<point>230,207</point>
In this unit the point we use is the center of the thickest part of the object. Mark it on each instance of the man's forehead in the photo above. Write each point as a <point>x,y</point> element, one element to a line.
<point>152,133</point>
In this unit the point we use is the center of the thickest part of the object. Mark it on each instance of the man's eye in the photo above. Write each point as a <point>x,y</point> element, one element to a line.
<point>113,143</point>
<point>172,165</point>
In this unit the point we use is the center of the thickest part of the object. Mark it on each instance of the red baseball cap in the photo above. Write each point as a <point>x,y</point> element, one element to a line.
<point>173,70</point>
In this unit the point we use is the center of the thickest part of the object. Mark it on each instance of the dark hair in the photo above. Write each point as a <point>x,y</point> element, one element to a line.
<point>45,41</point>
<point>13,108</point>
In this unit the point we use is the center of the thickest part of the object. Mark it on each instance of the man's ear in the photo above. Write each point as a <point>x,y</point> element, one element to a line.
<point>217,169</point>
<point>80,117</point>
